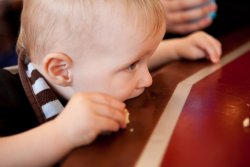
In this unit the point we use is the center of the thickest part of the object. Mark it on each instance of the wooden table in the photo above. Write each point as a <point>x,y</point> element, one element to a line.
<point>191,116</point>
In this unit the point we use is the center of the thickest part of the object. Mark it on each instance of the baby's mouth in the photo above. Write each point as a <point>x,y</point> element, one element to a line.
<point>136,93</point>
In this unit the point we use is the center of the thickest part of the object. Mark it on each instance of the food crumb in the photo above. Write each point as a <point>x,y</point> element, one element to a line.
<point>131,130</point>
<point>246,123</point>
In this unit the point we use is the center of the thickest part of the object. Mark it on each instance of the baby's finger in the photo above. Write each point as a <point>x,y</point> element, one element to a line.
<point>208,47</point>
<point>111,113</point>
<point>107,125</point>
<point>217,45</point>
<point>108,100</point>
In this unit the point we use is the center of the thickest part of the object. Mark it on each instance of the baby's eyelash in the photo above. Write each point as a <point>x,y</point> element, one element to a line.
<point>133,66</point>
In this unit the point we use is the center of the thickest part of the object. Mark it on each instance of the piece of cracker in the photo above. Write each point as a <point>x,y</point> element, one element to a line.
<point>127,116</point>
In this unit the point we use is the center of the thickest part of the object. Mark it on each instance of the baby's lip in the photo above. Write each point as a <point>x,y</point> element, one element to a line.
<point>137,92</point>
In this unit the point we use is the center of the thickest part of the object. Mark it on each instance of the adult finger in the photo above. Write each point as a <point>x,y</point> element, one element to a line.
<point>184,28</point>
<point>179,5</point>
<point>191,15</point>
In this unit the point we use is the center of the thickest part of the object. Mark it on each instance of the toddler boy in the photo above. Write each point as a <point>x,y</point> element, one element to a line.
<point>93,54</point>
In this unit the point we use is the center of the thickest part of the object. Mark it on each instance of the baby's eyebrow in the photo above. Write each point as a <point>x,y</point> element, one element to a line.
<point>136,58</point>
<point>141,55</point>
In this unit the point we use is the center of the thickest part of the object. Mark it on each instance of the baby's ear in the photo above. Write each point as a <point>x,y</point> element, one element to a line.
<point>57,68</point>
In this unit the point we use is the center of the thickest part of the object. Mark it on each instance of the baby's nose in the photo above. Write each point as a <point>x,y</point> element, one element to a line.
<point>145,80</point>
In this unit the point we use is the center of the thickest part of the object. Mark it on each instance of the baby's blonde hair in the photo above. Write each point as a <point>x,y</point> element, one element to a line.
<point>47,25</point>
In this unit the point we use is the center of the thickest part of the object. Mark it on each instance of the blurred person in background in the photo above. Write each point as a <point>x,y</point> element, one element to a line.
<point>186,16</point>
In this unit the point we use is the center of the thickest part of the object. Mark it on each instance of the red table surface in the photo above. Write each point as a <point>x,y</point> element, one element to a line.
<point>209,131</point>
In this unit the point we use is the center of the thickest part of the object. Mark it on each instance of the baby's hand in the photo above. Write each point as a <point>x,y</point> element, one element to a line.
<point>89,114</point>
<point>199,45</point>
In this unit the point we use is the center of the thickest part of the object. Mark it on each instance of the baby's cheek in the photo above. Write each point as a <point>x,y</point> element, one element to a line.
<point>125,90</point>
<point>127,94</point>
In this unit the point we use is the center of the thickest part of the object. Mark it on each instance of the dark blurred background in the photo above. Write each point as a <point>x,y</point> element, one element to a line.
<point>231,15</point>
<point>9,27</point>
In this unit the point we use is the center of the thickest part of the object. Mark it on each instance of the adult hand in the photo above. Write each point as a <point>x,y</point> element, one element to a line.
<point>185,16</point>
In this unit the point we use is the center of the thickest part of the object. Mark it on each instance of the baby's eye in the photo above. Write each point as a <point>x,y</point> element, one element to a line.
<point>132,66</point>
